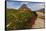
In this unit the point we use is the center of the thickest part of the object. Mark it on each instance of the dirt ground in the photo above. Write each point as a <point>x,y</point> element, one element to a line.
<point>39,23</point>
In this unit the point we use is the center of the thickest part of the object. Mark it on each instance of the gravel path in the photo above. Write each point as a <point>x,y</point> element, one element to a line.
<point>39,23</point>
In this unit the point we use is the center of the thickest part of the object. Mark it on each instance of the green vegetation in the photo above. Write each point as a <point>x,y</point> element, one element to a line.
<point>16,19</point>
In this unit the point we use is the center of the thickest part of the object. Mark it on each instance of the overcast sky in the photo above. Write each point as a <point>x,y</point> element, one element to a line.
<point>31,5</point>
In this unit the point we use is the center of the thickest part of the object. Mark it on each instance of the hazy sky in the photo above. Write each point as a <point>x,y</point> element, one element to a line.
<point>31,5</point>
<point>29,0</point>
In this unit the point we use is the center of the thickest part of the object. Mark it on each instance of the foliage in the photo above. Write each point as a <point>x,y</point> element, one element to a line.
<point>17,19</point>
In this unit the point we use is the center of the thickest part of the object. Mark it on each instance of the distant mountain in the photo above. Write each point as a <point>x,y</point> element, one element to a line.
<point>10,9</point>
<point>41,10</point>
<point>24,7</point>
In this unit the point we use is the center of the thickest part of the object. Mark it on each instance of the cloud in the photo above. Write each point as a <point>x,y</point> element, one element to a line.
<point>36,6</point>
<point>31,5</point>
<point>24,3</point>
